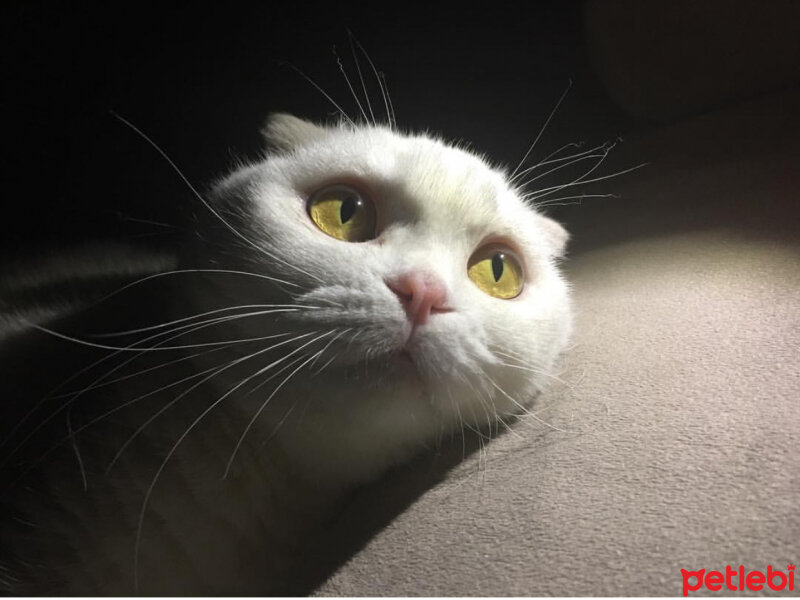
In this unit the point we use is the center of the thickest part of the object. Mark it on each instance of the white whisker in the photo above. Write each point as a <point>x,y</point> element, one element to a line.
<point>392,116</point>
<point>323,92</point>
<point>569,160</point>
<point>197,194</point>
<point>162,348</point>
<point>175,446</point>
<point>541,131</point>
<point>73,439</point>
<point>563,166</point>
<point>183,394</point>
<point>101,382</point>
<point>384,92</point>
<point>193,271</point>
<point>291,408</point>
<point>328,345</point>
<point>361,78</point>
<point>349,85</point>
<point>580,180</point>
<point>203,314</point>
<point>264,404</point>
<point>116,409</point>
<point>579,197</point>
<point>522,408</point>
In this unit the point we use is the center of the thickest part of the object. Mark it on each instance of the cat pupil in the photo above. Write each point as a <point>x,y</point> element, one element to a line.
<point>348,209</point>
<point>497,266</point>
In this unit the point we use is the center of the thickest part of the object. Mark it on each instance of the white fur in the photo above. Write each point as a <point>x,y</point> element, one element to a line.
<point>436,205</point>
<point>328,424</point>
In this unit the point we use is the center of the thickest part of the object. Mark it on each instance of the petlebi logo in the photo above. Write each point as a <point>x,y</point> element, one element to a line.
<point>738,580</point>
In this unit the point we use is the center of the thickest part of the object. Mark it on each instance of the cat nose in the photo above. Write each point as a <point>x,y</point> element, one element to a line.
<point>420,294</point>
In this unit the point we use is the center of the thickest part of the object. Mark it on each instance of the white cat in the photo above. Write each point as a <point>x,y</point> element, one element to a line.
<point>383,288</point>
<point>410,276</point>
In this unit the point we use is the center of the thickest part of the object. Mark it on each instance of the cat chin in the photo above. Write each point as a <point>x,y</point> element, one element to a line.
<point>360,424</point>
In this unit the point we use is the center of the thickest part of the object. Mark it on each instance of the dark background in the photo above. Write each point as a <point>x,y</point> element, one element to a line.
<point>200,82</point>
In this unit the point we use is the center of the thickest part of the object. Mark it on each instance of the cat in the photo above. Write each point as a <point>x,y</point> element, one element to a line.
<point>341,304</point>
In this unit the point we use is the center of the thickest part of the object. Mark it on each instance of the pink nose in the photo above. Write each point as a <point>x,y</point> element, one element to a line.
<point>420,294</point>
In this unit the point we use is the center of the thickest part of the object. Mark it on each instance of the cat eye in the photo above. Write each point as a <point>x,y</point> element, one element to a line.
<point>496,271</point>
<point>343,213</point>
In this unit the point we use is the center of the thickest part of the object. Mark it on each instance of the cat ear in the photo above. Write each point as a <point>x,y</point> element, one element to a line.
<point>285,132</point>
<point>555,235</point>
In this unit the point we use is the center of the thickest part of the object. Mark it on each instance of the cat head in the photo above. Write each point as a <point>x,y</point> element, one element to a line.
<point>432,286</point>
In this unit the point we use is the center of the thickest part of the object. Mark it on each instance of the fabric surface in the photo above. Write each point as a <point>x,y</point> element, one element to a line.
<point>674,426</point>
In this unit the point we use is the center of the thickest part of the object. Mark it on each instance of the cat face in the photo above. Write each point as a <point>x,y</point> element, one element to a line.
<point>437,284</point>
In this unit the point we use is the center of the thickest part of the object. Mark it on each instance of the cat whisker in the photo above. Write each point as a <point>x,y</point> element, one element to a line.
<point>522,408</point>
<point>320,370</point>
<point>481,435</point>
<point>72,437</point>
<point>204,314</point>
<point>52,395</point>
<point>93,385</point>
<point>328,303</point>
<point>162,348</point>
<point>264,404</point>
<point>506,426</point>
<point>580,180</point>
<point>482,439</point>
<point>291,408</point>
<point>349,85</point>
<point>600,159</point>
<point>486,405</point>
<point>233,363</point>
<point>390,116</point>
<point>183,436</point>
<point>578,197</point>
<point>323,367</point>
<point>323,92</point>
<point>49,396</point>
<point>541,131</point>
<point>539,372</point>
<point>102,382</point>
<point>569,160</point>
<point>460,423</point>
<point>93,421</point>
<point>563,166</point>
<point>551,157</point>
<point>197,194</point>
<point>353,338</point>
<point>187,271</point>
<point>479,396</point>
<point>361,77</point>
<point>461,431</point>
<point>193,327</point>
<point>328,345</point>
<point>526,367</point>
<point>125,217</point>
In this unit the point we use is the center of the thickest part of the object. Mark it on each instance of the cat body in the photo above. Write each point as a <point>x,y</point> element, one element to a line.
<point>343,304</point>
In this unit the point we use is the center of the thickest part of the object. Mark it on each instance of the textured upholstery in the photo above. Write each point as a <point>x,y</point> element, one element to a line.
<point>677,408</point>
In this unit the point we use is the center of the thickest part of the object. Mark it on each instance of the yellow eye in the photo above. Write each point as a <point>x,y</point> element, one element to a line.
<point>496,271</point>
<point>343,213</point>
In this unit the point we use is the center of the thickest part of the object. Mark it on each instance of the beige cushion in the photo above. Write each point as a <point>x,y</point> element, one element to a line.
<point>678,407</point>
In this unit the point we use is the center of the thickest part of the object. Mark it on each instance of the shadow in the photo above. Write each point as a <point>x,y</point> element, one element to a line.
<point>734,170</point>
<point>34,363</point>
<point>370,509</point>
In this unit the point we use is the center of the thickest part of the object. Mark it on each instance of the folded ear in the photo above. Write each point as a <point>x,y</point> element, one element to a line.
<point>285,132</point>
<point>555,235</point>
